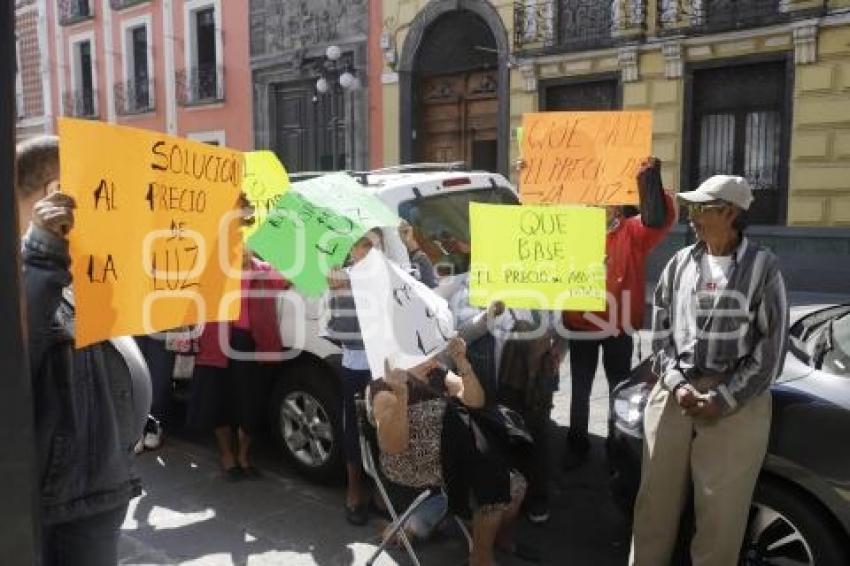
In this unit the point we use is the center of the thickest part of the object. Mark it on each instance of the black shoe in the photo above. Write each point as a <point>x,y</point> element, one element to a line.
<point>357,515</point>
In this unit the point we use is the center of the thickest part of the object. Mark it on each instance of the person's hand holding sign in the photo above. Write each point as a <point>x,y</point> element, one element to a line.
<point>396,378</point>
<point>496,309</point>
<point>55,213</point>
<point>338,279</point>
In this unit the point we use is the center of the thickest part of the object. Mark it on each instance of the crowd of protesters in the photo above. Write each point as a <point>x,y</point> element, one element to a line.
<point>707,419</point>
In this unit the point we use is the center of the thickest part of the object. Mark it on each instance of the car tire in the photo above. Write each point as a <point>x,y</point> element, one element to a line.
<point>783,513</point>
<point>307,422</point>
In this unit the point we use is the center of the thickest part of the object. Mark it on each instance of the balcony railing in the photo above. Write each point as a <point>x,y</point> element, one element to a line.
<point>134,97</point>
<point>121,4</point>
<point>73,11</point>
<point>563,25</point>
<point>81,103</point>
<point>200,85</point>
<point>708,16</point>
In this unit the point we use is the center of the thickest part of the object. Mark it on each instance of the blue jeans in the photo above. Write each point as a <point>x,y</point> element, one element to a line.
<point>90,541</point>
<point>161,365</point>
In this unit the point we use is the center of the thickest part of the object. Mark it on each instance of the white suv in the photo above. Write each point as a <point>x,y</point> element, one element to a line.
<point>305,407</point>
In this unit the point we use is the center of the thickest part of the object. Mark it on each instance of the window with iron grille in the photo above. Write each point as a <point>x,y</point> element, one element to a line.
<point>73,11</point>
<point>584,24</point>
<point>740,127</point>
<point>202,82</point>
<point>706,16</point>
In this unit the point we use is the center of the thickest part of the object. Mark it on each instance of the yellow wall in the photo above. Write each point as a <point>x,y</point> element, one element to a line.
<point>819,182</point>
<point>398,15</point>
<point>820,146</point>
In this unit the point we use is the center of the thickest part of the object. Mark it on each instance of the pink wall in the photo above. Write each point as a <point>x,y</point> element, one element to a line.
<point>233,115</point>
<point>375,59</point>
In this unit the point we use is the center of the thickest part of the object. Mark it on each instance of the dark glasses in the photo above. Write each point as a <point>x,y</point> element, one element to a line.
<point>699,208</point>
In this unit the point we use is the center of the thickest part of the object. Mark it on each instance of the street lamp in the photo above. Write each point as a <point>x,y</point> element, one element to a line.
<point>335,69</point>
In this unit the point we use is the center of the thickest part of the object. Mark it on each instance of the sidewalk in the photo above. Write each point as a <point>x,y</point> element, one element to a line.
<point>190,515</point>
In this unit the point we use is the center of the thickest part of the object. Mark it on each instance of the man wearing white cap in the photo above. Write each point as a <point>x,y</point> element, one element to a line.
<point>720,320</point>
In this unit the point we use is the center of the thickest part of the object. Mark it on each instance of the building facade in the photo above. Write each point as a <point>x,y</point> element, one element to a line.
<point>33,104</point>
<point>177,66</point>
<point>759,88</point>
<point>310,78</point>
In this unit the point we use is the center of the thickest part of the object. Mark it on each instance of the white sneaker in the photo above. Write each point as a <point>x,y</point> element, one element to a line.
<point>139,447</point>
<point>152,438</point>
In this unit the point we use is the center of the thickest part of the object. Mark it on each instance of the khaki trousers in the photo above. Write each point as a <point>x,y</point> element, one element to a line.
<point>722,458</point>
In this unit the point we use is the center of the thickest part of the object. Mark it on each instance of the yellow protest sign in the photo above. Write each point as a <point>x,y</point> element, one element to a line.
<point>583,157</point>
<point>265,182</point>
<point>156,242</point>
<point>538,257</point>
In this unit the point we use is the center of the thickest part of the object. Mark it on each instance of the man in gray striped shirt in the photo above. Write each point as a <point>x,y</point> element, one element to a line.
<point>720,319</point>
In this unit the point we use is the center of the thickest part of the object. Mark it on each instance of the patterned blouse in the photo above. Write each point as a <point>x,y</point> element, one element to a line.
<point>419,465</point>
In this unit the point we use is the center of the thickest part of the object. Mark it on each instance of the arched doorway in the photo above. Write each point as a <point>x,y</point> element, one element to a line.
<point>454,86</point>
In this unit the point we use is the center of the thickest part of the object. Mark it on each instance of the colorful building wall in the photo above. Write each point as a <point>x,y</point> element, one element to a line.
<point>224,118</point>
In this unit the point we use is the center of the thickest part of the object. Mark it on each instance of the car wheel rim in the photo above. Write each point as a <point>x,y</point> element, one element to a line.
<point>306,429</point>
<point>773,540</point>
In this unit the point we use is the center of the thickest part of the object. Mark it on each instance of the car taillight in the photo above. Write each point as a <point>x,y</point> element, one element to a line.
<point>455,182</point>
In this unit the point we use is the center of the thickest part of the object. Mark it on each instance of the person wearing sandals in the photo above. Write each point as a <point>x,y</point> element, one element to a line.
<point>426,441</point>
<point>228,391</point>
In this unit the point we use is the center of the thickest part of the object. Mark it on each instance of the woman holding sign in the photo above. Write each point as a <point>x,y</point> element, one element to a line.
<point>230,381</point>
<point>432,432</point>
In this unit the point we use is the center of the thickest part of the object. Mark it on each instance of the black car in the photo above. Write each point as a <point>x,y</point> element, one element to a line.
<point>801,507</point>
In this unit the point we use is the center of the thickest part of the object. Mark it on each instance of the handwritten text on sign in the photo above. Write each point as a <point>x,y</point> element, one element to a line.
<point>583,157</point>
<point>265,181</point>
<point>313,227</point>
<point>304,241</point>
<point>146,244</point>
<point>401,320</point>
<point>538,257</point>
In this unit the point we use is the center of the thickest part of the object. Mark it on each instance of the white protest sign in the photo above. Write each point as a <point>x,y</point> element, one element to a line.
<point>401,319</point>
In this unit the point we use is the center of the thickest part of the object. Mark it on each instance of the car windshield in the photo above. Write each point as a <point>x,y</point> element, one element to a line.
<point>441,224</point>
<point>822,340</point>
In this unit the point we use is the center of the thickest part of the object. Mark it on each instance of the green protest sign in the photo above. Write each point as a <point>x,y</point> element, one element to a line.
<point>304,241</point>
<point>345,196</point>
<point>313,227</point>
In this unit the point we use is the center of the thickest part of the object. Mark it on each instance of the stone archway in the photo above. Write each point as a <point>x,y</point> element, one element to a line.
<point>436,21</point>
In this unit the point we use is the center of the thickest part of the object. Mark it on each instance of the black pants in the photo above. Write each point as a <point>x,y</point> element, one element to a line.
<point>161,365</point>
<point>538,476</point>
<point>91,541</point>
<point>584,357</point>
<point>537,422</point>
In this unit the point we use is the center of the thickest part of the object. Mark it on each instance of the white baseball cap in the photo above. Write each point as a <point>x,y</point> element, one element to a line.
<point>728,188</point>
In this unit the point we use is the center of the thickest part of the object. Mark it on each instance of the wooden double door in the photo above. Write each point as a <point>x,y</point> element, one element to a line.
<point>458,119</point>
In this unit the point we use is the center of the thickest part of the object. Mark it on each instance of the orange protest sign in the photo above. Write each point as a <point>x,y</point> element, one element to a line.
<point>583,157</point>
<point>156,243</point>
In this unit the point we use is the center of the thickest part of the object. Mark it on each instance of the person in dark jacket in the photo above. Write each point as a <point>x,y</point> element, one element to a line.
<point>85,418</point>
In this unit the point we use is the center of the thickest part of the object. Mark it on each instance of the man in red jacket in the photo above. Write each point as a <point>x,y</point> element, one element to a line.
<point>628,243</point>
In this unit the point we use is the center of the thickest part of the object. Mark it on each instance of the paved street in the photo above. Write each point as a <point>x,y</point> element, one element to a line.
<point>190,515</point>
